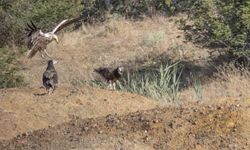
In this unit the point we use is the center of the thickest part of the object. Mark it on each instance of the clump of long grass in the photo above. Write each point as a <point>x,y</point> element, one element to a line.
<point>159,83</point>
<point>198,90</point>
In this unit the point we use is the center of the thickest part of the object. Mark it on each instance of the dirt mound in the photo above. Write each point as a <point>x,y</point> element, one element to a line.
<point>190,127</point>
<point>24,110</point>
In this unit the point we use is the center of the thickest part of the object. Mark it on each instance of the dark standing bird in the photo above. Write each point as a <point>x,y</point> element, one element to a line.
<point>110,75</point>
<point>50,78</point>
<point>37,40</point>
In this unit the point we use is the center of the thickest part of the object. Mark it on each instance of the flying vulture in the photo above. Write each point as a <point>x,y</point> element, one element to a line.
<point>38,40</point>
<point>50,78</point>
<point>110,75</point>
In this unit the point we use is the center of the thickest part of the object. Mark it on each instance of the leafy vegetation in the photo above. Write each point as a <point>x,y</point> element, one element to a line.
<point>94,10</point>
<point>198,90</point>
<point>9,71</point>
<point>221,23</point>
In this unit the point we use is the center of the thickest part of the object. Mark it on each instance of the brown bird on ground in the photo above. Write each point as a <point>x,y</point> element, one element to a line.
<point>50,78</point>
<point>110,75</point>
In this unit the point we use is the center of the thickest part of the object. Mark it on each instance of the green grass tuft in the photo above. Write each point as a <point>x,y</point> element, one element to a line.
<point>161,83</point>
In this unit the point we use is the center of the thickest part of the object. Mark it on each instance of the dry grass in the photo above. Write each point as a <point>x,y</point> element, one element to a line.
<point>229,82</point>
<point>115,42</point>
<point>132,44</point>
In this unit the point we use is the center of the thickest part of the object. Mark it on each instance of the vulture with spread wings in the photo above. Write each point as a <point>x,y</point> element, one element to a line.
<point>38,40</point>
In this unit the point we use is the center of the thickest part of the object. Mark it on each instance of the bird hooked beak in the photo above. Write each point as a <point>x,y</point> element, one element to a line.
<point>120,70</point>
<point>55,38</point>
<point>55,62</point>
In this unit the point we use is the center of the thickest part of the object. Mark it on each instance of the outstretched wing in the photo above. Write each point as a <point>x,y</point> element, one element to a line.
<point>65,23</point>
<point>32,34</point>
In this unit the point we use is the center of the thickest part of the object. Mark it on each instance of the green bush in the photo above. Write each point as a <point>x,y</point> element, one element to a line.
<point>9,71</point>
<point>95,10</point>
<point>223,23</point>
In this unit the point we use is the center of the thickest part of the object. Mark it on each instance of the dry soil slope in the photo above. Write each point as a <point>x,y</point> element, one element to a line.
<point>214,126</point>
<point>23,110</point>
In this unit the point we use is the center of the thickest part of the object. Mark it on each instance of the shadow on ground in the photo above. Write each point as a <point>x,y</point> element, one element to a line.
<point>202,70</point>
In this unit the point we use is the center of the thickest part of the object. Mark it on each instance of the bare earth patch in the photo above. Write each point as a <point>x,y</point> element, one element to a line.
<point>27,109</point>
<point>221,126</point>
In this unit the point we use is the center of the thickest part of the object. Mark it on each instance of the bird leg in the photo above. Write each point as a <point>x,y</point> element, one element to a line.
<point>50,91</point>
<point>110,84</point>
<point>42,55</point>
<point>47,53</point>
<point>114,86</point>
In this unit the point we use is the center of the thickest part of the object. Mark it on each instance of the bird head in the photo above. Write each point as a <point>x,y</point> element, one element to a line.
<point>120,70</point>
<point>55,62</point>
<point>50,62</point>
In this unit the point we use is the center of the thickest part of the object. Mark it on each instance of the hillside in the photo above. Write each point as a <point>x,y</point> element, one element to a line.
<point>26,110</point>
<point>211,108</point>
<point>214,126</point>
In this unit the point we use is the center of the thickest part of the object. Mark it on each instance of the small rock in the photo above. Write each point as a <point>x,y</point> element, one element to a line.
<point>165,130</point>
<point>234,130</point>
<point>202,113</point>
<point>100,132</point>
<point>220,107</point>
<point>145,138</point>
<point>155,121</point>
<point>85,129</point>
<point>24,134</point>
<point>18,136</point>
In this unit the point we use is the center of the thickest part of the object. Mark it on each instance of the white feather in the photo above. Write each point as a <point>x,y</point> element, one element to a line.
<point>48,35</point>
<point>41,33</point>
<point>58,26</point>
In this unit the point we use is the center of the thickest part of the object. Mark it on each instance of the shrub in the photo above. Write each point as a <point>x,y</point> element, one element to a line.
<point>9,71</point>
<point>95,10</point>
<point>223,24</point>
